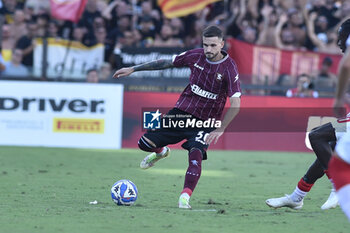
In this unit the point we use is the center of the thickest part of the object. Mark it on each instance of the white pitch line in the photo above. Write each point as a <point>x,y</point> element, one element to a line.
<point>208,210</point>
<point>151,209</point>
<point>195,210</point>
<point>113,206</point>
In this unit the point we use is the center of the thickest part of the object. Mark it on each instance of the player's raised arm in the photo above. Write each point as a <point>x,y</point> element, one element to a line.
<point>343,79</point>
<point>153,65</point>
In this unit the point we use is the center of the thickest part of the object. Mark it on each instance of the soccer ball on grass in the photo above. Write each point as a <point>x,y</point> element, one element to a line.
<point>124,192</point>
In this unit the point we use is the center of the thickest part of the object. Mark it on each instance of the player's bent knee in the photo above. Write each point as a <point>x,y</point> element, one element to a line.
<point>194,148</point>
<point>197,152</point>
<point>323,132</point>
<point>196,155</point>
<point>145,145</point>
<point>149,141</point>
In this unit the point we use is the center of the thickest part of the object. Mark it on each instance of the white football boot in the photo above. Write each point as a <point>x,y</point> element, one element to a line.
<point>152,158</point>
<point>184,201</point>
<point>285,201</point>
<point>331,202</point>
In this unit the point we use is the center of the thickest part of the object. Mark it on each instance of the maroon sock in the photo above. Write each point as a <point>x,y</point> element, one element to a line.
<point>194,170</point>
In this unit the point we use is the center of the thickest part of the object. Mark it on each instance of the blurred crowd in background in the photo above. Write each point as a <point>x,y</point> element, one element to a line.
<point>286,24</point>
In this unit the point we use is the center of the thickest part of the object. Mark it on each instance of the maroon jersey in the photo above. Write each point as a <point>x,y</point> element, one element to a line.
<point>210,84</point>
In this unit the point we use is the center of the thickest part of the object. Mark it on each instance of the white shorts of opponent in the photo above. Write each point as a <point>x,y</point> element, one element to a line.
<point>343,147</point>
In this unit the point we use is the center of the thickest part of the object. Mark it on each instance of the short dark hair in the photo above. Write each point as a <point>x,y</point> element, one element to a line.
<point>213,31</point>
<point>343,34</point>
<point>345,27</point>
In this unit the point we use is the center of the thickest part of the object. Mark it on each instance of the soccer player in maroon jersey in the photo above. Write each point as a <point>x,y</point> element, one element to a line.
<point>214,77</point>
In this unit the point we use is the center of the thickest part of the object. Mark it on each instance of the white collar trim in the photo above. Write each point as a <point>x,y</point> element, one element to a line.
<point>218,62</point>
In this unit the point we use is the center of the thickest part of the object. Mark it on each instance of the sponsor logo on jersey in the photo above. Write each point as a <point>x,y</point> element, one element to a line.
<point>218,76</point>
<point>78,125</point>
<point>236,78</point>
<point>197,66</point>
<point>206,94</point>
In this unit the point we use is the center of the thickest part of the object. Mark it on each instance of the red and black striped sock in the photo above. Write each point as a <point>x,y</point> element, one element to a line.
<point>303,186</point>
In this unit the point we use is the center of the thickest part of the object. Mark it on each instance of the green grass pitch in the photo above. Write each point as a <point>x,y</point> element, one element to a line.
<point>49,190</point>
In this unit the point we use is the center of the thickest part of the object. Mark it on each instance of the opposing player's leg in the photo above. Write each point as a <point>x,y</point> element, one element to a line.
<point>332,201</point>
<point>296,198</point>
<point>196,153</point>
<point>340,171</point>
<point>339,168</point>
<point>322,140</point>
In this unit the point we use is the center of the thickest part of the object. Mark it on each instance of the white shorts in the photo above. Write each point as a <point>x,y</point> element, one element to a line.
<point>343,147</point>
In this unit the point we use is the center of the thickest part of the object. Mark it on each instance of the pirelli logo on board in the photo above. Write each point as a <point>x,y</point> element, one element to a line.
<point>77,125</point>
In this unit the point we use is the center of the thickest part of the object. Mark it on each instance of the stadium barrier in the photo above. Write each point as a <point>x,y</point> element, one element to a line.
<point>267,123</point>
<point>90,116</point>
<point>56,114</point>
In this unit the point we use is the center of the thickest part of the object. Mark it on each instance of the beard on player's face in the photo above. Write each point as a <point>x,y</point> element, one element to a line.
<point>211,55</point>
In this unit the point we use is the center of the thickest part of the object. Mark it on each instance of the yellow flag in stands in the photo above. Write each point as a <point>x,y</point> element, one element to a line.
<point>178,8</point>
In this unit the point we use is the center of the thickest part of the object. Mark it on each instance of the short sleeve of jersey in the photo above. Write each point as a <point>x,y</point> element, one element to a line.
<point>234,84</point>
<point>187,58</point>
